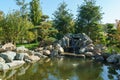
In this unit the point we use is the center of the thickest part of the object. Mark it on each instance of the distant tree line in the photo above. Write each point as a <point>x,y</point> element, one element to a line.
<point>30,24</point>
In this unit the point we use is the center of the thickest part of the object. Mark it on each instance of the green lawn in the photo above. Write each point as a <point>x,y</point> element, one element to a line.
<point>29,45</point>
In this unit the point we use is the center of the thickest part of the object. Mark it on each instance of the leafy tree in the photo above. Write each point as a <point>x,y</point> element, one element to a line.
<point>46,30</point>
<point>111,35</point>
<point>14,27</point>
<point>35,12</point>
<point>88,19</point>
<point>98,35</point>
<point>63,20</point>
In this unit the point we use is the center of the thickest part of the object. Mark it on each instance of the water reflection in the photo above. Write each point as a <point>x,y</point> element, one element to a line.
<point>110,73</point>
<point>62,69</point>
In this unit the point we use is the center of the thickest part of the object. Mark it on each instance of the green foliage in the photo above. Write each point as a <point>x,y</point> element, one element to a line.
<point>111,32</point>
<point>88,19</point>
<point>14,27</point>
<point>49,40</point>
<point>63,20</point>
<point>46,30</point>
<point>112,49</point>
<point>97,35</point>
<point>35,12</point>
<point>30,36</point>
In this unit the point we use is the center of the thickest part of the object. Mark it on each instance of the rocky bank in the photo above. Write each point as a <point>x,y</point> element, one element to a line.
<point>71,45</point>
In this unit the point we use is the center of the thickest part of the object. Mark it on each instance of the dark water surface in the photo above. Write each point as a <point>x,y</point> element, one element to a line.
<point>62,69</point>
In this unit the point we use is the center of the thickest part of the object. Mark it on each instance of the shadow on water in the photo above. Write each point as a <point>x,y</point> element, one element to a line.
<point>62,69</point>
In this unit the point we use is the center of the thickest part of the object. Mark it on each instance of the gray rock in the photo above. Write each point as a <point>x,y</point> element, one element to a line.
<point>46,52</point>
<point>89,54</point>
<point>90,47</point>
<point>19,56</point>
<point>61,50</point>
<point>3,66</point>
<point>54,53</point>
<point>34,58</point>
<point>82,50</point>
<point>22,56</point>
<point>8,56</point>
<point>113,58</point>
<point>99,58</point>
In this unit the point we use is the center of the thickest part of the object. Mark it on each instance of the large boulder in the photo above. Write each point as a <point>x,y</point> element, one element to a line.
<point>89,54</point>
<point>80,43</point>
<point>9,46</point>
<point>113,58</point>
<point>82,50</point>
<point>90,47</point>
<point>46,52</point>
<point>65,41</point>
<point>99,58</point>
<point>54,53</point>
<point>57,50</point>
<point>23,56</point>
<point>57,47</point>
<point>34,58</point>
<point>20,56</point>
<point>8,56</point>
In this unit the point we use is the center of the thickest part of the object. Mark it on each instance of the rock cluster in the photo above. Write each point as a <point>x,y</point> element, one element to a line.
<point>79,44</point>
<point>11,57</point>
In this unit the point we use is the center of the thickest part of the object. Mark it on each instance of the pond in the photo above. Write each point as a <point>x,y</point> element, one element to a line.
<point>63,69</point>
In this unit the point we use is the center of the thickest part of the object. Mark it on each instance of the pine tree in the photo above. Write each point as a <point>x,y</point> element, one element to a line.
<point>63,20</point>
<point>35,12</point>
<point>88,19</point>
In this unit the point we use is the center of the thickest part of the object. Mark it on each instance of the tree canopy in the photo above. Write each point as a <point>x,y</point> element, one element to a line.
<point>14,27</point>
<point>63,20</point>
<point>35,12</point>
<point>88,19</point>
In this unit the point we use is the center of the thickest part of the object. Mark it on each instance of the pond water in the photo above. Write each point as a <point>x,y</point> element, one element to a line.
<point>62,69</point>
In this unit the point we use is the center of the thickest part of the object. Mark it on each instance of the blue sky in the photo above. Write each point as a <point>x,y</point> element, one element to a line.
<point>110,8</point>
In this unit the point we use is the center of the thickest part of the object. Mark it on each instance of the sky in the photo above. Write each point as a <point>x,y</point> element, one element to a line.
<point>110,8</point>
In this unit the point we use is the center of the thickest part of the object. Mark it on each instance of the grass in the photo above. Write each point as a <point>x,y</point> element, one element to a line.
<point>29,45</point>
